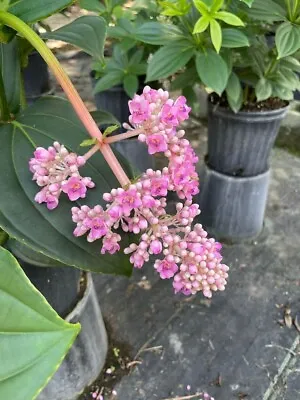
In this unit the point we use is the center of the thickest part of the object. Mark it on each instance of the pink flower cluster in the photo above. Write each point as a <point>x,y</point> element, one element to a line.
<point>185,253</point>
<point>188,256</point>
<point>158,117</point>
<point>56,170</point>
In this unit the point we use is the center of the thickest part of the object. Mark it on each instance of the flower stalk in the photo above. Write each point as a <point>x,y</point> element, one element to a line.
<point>70,91</point>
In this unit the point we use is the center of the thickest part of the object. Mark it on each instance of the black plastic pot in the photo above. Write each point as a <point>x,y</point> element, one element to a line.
<point>115,100</point>
<point>240,144</point>
<point>232,208</point>
<point>61,288</point>
<point>36,77</point>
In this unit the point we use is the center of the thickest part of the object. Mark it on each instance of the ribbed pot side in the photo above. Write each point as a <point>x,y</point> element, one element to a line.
<point>240,144</point>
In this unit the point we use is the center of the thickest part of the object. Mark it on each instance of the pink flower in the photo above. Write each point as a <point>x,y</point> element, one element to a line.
<point>182,109</point>
<point>110,243</point>
<point>169,115</point>
<point>52,202</point>
<point>139,109</point>
<point>159,186</point>
<point>165,268</point>
<point>98,228</point>
<point>74,188</point>
<point>43,155</point>
<point>128,200</point>
<point>156,247</point>
<point>156,143</point>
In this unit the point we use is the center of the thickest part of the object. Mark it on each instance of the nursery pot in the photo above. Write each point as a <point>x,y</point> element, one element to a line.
<point>36,77</point>
<point>72,294</point>
<point>240,144</point>
<point>232,208</point>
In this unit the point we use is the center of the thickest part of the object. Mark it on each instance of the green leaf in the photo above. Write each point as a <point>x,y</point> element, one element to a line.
<point>131,84</point>
<point>10,67</point>
<point>3,237</point>
<point>229,18</point>
<point>233,38</point>
<point>186,78</point>
<point>4,4</point>
<point>201,25</point>
<point>263,89</point>
<point>282,92</point>
<point>287,39</point>
<point>35,10</point>
<point>51,233</point>
<point>87,32</point>
<point>88,142</point>
<point>110,129</point>
<point>234,92</point>
<point>168,60</point>
<point>33,338</point>
<point>108,81</point>
<point>201,7</point>
<point>104,118</point>
<point>290,63</point>
<point>216,5</point>
<point>248,2</point>
<point>216,34</point>
<point>212,70</point>
<point>158,33</point>
<point>92,5</point>
<point>267,11</point>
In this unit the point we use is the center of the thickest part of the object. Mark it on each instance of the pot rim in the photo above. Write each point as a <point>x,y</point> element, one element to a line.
<point>249,116</point>
<point>77,310</point>
<point>232,178</point>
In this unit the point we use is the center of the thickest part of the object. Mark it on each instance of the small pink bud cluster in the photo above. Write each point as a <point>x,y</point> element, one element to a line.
<point>158,117</point>
<point>56,170</point>
<point>188,256</point>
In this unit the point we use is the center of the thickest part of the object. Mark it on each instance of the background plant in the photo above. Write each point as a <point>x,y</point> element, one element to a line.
<point>224,46</point>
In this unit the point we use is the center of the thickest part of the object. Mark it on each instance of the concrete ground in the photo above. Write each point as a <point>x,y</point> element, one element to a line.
<point>242,344</point>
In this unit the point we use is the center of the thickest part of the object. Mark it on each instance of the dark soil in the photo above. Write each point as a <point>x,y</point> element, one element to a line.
<point>118,364</point>
<point>273,103</point>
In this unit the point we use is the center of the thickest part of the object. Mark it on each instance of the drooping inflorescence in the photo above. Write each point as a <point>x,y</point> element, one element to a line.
<point>184,252</point>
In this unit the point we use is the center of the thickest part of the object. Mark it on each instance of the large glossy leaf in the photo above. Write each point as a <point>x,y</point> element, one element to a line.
<point>287,39</point>
<point>266,10</point>
<point>168,60</point>
<point>158,33</point>
<point>48,232</point>
<point>212,70</point>
<point>33,338</point>
<point>11,73</point>
<point>87,32</point>
<point>35,10</point>
<point>234,38</point>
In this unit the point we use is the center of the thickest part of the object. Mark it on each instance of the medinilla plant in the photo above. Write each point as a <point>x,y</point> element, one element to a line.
<point>82,207</point>
<point>226,46</point>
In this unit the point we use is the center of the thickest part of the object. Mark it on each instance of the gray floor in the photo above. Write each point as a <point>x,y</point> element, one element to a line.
<point>233,346</point>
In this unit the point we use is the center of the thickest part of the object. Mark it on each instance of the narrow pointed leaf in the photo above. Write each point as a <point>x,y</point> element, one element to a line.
<point>35,10</point>
<point>168,60</point>
<point>216,34</point>
<point>229,18</point>
<point>212,70</point>
<point>33,338</point>
<point>201,25</point>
